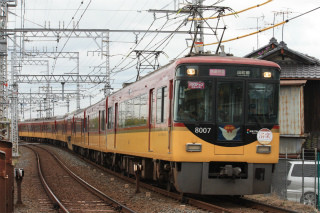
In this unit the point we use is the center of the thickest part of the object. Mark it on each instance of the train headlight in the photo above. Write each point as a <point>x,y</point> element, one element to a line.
<point>191,71</point>
<point>267,74</point>
<point>264,149</point>
<point>193,147</point>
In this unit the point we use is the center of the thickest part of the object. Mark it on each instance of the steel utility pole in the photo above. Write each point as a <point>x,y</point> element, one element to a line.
<point>198,25</point>
<point>196,9</point>
<point>14,100</point>
<point>108,84</point>
<point>4,101</point>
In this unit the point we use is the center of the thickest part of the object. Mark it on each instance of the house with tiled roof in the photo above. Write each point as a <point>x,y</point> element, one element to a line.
<point>299,115</point>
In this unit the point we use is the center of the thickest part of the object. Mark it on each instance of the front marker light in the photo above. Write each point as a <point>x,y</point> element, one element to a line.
<point>267,74</point>
<point>264,149</point>
<point>193,147</point>
<point>191,71</point>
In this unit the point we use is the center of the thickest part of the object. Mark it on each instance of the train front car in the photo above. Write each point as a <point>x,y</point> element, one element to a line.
<point>225,137</point>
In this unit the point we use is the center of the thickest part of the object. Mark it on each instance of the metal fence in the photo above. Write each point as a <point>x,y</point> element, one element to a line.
<point>297,179</point>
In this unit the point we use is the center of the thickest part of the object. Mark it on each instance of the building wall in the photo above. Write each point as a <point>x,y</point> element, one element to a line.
<point>291,119</point>
<point>312,107</point>
<point>291,115</point>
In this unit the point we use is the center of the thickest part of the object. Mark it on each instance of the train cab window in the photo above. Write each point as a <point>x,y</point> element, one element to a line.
<point>110,118</point>
<point>263,103</point>
<point>161,103</point>
<point>230,102</point>
<point>193,100</point>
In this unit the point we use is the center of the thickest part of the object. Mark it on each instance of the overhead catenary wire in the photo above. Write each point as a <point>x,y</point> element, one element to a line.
<point>132,49</point>
<point>53,67</point>
<point>265,29</point>
<point>243,36</point>
<point>229,14</point>
<point>146,39</point>
<point>148,57</point>
<point>259,31</point>
<point>168,38</point>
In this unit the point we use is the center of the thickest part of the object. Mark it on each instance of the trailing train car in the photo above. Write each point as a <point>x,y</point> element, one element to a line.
<point>201,124</point>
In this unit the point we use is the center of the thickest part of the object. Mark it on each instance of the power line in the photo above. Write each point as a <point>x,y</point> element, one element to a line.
<point>304,13</point>
<point>262,30</point>
<point>53,67</point>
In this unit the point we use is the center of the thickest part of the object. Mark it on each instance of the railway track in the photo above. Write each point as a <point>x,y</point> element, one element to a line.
<point>36,192</point>
<point>68,192</point>
<point>225,204</point>
<point>245,205</point>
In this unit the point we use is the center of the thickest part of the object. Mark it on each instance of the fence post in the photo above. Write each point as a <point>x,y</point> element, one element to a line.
<point>286,177</point>
<point>318,176</point>
<point>315,178</point>
<point>302,200</point>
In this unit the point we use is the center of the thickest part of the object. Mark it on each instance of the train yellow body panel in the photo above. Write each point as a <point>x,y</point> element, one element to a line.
<point>202,124</point>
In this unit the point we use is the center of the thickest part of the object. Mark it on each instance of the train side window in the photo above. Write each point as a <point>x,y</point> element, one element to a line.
<point>110,118</point>
<point>136,110</point>
<point>94,123</point>
<point>75,126</point>
<point>88,123</point>
<point>121,114</point>
<point>102,120</point>
<point>84,124</point>
<point>143,109</point>
<point>161,103</point>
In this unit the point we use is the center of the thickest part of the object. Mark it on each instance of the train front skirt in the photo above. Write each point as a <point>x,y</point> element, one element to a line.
<point>199,178</point>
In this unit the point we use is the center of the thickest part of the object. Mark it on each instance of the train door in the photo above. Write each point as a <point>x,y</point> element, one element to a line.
<point>151,119</point>
<point>84,129</point>
<point>106,123</point>
<point>88,129</point>
<point>170,114</point>
<point>115,124</point>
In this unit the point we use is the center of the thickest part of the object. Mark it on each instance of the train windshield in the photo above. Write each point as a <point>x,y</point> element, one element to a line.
<point>226,96</point>
<point>230,102</point>
<point>193,100</point>
<point>263,103</point>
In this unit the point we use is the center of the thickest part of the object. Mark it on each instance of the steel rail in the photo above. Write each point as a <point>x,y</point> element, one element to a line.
<point>264,207</point>
<point>191,201</point>
<point>194,202</point>
<point>115,204</point>
<point>51,195</point>
<point>181,198</point>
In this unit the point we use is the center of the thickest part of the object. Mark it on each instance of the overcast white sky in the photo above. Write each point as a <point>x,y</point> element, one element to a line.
<point>300,34</point>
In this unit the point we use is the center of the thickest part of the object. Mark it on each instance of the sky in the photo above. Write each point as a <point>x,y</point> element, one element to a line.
<point>301,34</point>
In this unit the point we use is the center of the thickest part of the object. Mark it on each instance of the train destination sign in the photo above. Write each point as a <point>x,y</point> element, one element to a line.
<point>195,85</point>
<point>217,72</point>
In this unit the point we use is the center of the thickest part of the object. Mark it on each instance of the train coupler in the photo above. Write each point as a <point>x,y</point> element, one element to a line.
<point>230,171</point>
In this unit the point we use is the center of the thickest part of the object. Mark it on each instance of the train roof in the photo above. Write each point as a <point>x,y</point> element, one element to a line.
<point>225,60</point>
<point>206,59</point>
<point>214,59</point>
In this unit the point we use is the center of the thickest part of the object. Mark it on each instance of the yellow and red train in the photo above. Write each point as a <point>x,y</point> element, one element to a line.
<point>201,124</point>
